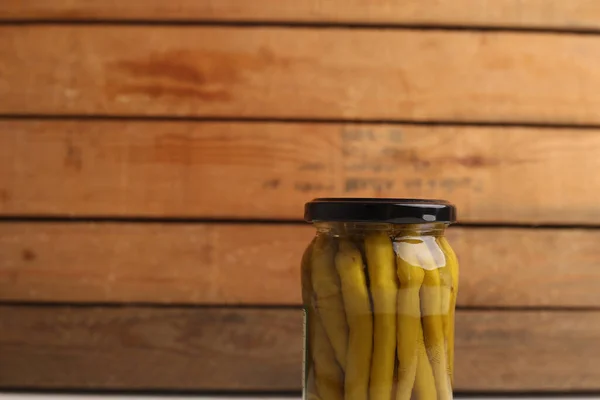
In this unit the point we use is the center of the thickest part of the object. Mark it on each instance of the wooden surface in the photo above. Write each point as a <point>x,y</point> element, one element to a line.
<point>259,264</point>
<point>215,110</point>
<point>269,170</point>
<point>145,348</point>
<point>211,349</point>
<point>567,14</point>
<point>269,72</point>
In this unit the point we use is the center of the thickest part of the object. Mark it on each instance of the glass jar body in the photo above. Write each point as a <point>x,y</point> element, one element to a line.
<point>379,304</point>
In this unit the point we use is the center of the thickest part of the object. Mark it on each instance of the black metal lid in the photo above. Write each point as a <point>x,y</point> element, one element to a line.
<point>395,211</point>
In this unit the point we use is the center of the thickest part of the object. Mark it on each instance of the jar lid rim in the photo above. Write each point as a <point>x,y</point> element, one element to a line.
<point>388,210</point>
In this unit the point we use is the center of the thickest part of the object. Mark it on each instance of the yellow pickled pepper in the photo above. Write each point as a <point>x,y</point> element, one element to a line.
<point>384,292</point>
<point>310,314</point>
<point>452,264</point>
<point>305,276</point>
<point>327,293</point>
<point>357,304</point>
<point>432,293</point>
<point>328,375</point>
<point>410,333</point>
<point>424,383</point>
<point>443,266</point>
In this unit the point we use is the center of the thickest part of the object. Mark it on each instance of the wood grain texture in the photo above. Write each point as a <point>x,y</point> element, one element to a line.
<point>249,349</point>
<point>205,263</point>
<point>299,73</point>
<point>269,170</point>
<point>150,349</point>
<point>572,14</point>
<point>259,264</point>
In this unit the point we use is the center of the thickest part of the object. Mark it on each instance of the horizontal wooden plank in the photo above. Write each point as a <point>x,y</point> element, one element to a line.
<point>299,73</point>
<point>259,264</point>
<point>269,170</point>
<point>160,263</point>
<point>140,348</point>
<point>249,349</point>
<point>572,14</point>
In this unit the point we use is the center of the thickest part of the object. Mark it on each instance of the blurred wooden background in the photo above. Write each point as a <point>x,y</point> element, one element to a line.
<point>155,157</point>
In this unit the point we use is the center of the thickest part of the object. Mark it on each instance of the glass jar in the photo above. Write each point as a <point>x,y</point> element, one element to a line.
<point>379,285</point>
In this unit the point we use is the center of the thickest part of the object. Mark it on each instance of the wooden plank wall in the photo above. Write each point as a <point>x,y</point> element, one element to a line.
<point>155,157</point>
